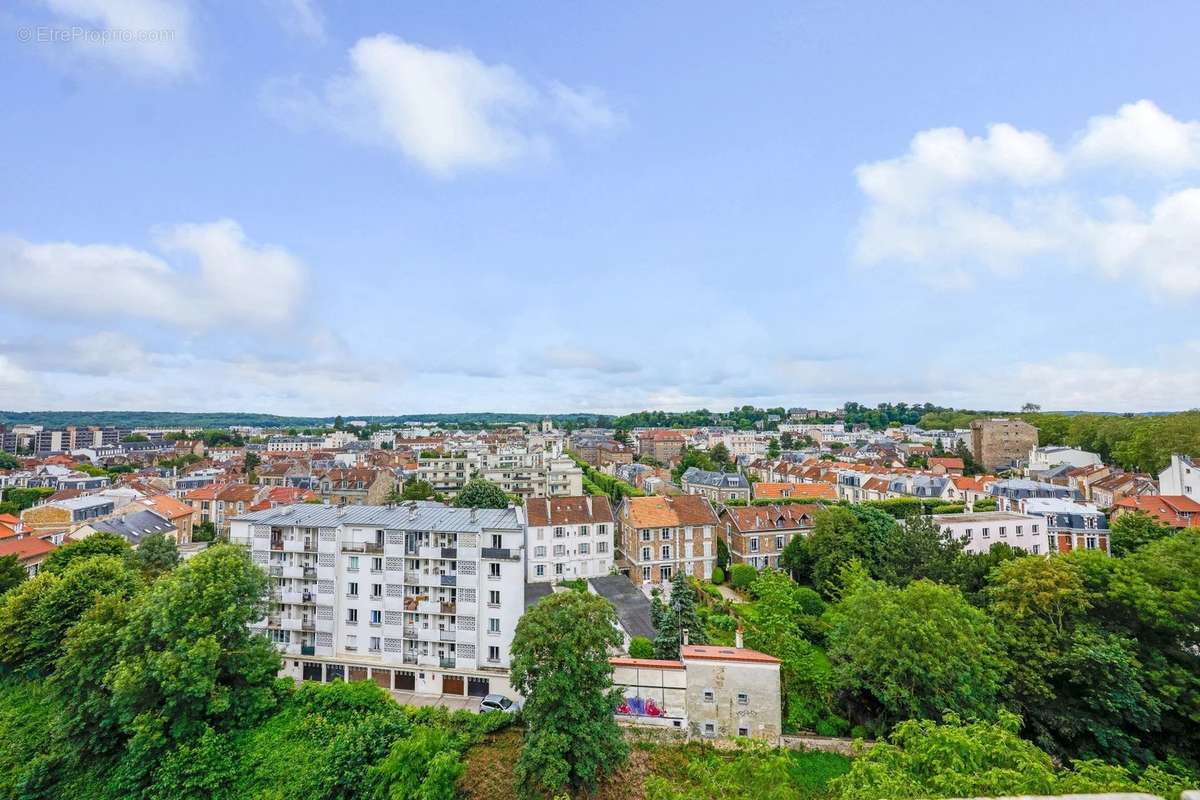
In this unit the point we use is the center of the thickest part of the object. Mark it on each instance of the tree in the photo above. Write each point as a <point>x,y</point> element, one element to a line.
<point>719,454</point>
<point>622,436</point>
<point>338,423</point>
<point>252,461</point>
<point>156,554</point>
<point>12,573</point>
<point>204,532</point>
<point>188,662</point>
<point>915,652</point>
<point>923,549</point>
<point>843,534</point>
<point>641,647</point>
<point>971,570</point>
<point>136,437</point>
<point>1128,532</point>
<point>773,448</point>
<point>9,461</point>
<point>742,575</point>
<point>98,544</point>
<point>787,441</point>
<point>722,555</point>
<point>481,493</point>
<point>560,665</point>
<point>679,616</point>
<point>417,490</point>
<point>1030,408</point>
<point>923,758</point>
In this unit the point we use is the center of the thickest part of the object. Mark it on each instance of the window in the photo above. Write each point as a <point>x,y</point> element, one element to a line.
<point>374,644</point>
<point>493,624</point>
<point>1003,530</point>
<point>352,616</point>
<point>602,546</point>
<point>353,565</point>
<point>753,544</point>
<point>558,569</point>
<point>539,551</point>
<point>1020,530</point>
<point>584,549</point>
<point>559,532</point>
<point>778,542</point>
<point>645,554</point>
<point>493,570</point>
<point>1033,528</point>
<point>376,617</point>
<point>497,541</point>
<point>540,570</point>
<point>1091,543</point>
<point>709,696</point>
<point>493,598</point>
<point>645,536</point>
<point>376,564</point>
<point>666,551</point>
<point>583,530</point>
<point>376,591</point>
<point>743,699</point>
<point>493,653</point>
<point>560,550</point>
<point>664,573</point>
<point>601,530</point>
<point>743,730</point>
<point>645,573</point>
<point>985,533</point>
<point>351,641</point>
<point>665,534</point>
<point>352,589</point>
<point>710,729</point>
<point>1036,549</point>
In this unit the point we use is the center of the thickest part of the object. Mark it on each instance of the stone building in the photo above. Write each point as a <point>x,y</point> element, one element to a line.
<point>1002,443</point>
<point>658,536</point>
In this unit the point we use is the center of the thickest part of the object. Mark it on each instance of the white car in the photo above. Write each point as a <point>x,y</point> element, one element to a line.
<point>498,702</point>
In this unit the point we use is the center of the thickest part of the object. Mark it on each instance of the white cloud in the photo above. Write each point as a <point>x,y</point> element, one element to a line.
<point>302,17</point>
<point>228,280</point>
<point>1141,135</point>
<point>954,205</point>
<point>149,39</point>
<point>446,110</point>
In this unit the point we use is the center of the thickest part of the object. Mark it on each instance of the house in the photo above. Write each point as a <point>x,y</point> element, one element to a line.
<point>943,465</point>
<point>1107,491</point>
<point>979,531</point>
<point>757,535</point>
<point>1177,511</point>
<point>658,536</point>
<point>711,692</point>
<point>355,486</point>
<point>806,491</point>
<point>1012,493</point>
<point>1181,477</point>
<point>716,486</point>
<point>568,538</point>
<point>68,513</point>
<point>1042,459</point>
<point>180,514</point>
<point>130,527</point>
<point>1070,525</point>
<point>30,551</point>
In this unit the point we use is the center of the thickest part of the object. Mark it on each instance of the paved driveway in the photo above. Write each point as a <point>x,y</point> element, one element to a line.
<point>450,701</point>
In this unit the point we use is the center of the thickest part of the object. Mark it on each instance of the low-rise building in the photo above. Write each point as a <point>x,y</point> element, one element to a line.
<point>68,513</point>
<point>980,530</point>
<point>1042,459</point>
<point>660,535</point>
<point>757,535</point>
<point>355,486</point>
<point>568,538</point>
<point>1070,525</point>
<point>719,487</point>
<point>1181,477</point>
<point>1176,511</point>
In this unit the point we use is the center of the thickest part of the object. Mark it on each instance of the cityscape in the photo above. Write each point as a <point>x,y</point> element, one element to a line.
<point>790,401</point>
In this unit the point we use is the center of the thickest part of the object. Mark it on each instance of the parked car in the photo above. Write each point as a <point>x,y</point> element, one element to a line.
<point>498,702</point>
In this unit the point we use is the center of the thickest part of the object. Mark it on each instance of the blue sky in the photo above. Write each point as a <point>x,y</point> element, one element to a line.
<point>318,207</point>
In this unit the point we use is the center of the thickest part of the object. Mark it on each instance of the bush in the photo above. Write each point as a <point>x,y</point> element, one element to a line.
<point>718,575</point>
<point>641,647</point>
<point>742,575</point>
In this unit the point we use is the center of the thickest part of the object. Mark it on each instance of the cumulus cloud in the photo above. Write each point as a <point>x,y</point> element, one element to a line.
<point>149,39</point>
<point>954,205</point>
<point>217,277</point>
<point>445,110</point>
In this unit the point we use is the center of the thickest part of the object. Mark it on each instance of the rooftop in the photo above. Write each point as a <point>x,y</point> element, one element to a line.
<point>422,515</point>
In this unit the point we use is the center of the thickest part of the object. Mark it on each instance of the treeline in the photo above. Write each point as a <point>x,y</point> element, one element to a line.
<point>1139,442</point>
<point>601,484</point>
<point>879,621</point>
<point>207,420</point>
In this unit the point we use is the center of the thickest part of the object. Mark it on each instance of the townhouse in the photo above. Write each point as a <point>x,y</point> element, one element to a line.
<point>757,535</point>
<point>980,530</point>
<point>1070,525</point>
<point>807,491</point>
<point>355,486</point>
<point>1181,477</point>
<point>718,487</point>
<point>568,538</point>
<point>659,536</point>
<point>1176,511</point>
<point>418,597</point>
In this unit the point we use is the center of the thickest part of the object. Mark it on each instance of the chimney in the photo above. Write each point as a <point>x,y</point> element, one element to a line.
<point>685,638</point>
<point>737,641</point>
<point>472,515</point>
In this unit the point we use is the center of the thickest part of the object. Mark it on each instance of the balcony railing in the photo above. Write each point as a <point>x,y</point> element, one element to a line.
<point>449,580</point>
<point>361,547</point>
<point>449,552</point>
<point>446,663</point>
<point>308,650</point>
<point>449,608</point>
<point>500,554</point>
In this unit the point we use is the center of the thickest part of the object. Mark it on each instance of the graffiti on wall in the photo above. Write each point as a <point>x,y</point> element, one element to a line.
<point>640,707</point>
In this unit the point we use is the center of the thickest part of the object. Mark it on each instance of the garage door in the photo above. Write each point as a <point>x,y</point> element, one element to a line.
<point>357,674</point>
<point>452,684</point>
<point>382,678</point>
<point>334,672</point>
<point>477,687</point>
<point>312,671</point>
<point>405,681</point>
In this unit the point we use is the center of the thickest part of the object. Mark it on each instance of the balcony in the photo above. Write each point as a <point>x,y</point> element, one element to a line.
<point>412,577</point>
<point>449,580</point>
<point>290,623</point>
<point>409,658</point>
<point>308,650</point>
<point>446,662</point>
<point>289,571</point>
<point>428,635</point>
<point>449,552</point>
<point>361,547</point>
<point>275,570</point>
<point>447,635</point>
<point>500,554</point>
<point>449,608</point>
<point>309,573</point>
<point>290,596</point>
<point>409,632</point>
<point>296,545</point>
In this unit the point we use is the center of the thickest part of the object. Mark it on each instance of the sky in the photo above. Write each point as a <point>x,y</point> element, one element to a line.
<point>311,207</point>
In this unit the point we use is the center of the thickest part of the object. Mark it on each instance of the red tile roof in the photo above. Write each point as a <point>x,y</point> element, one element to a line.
<point>544,511</point>
<point>715,653</point>
<point>25,549</point>
<point>645,663</point>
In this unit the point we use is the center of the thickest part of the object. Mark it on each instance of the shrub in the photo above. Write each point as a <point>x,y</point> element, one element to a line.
<point>641,647</point>
<point>718,575</point>
<point>742,575</point>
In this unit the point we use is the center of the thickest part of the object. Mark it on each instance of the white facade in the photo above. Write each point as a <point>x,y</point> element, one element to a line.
<point>294,444</point>
<point>1043,458</point>
<point>422,597</point>
<point>980,531</point>
<point>1182,477</point>
<point>574,542</point>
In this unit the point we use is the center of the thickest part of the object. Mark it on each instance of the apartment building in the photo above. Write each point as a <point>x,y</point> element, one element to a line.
<point>446,473</point>
<point>294,444</point>
<point>1002,443</point>
<point>660,535</point>
<point>718,487</point>
<point>664,446</point>
<point>419,597</point>
<point>568,537</point>
<point>355,486</point>
<point>757,535</point>
<point>979,531</point>
<point>1181,478</point>
<point>1070,525</point>
<point>532,474</point>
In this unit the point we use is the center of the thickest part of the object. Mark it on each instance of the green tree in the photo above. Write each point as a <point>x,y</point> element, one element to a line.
<point>1128,532</point>
<point>12,573</point>
<point>923,549</point>
<point>338,423</point>
<point>9,461</point>
<point>843,534</point>
<point>98,544</point>
<point>136,437</point>
<point>971,570</point>
<point>204,532</point>
<point>621,436</point>
<point>722,555</point>
<point>679,616</point>
<point>187,661</point>
<point>773,448</point>
<point>252,461</point>
<point>917,652</point>
<point>422,766</point>
<point>156,554</point>
<point>719,454</point>
<point>481,493</point>
<point>787,441</point>
<point>417,490</point>
<point>742,575</point>
<point>641,647</point>
<point>560,664</point>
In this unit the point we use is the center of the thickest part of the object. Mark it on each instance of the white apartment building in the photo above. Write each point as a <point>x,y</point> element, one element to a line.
<point>979,531</point>
<point>294,444</point>
<point>1181,478</point>
<point>419,597</point>
<point>1043,458</point>
<point>567,538</point>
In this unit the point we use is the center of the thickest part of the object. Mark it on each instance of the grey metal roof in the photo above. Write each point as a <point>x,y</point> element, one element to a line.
<point>135,526</point>
<point>428,516</point>
<point>633,609</point>
<point>719,480</point>
<point>535,592</point>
